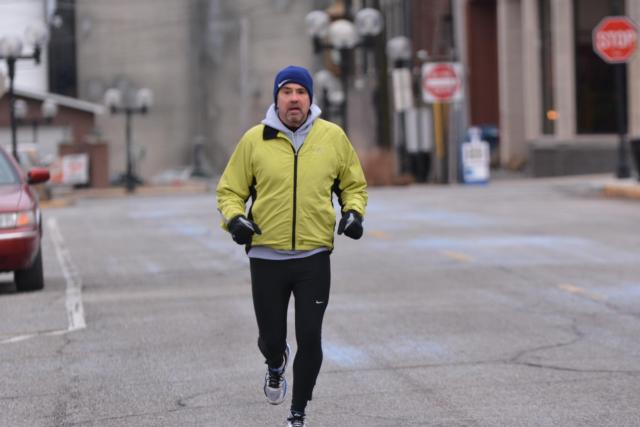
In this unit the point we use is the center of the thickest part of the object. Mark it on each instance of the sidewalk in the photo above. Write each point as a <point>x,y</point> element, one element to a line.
<point>604,184</point>
<point>64,197</point>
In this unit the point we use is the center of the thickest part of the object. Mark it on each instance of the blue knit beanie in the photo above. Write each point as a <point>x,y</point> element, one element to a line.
<point>293,74</point>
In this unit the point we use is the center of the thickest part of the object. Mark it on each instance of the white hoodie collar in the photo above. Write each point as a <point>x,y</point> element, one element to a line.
<point>272,120</point>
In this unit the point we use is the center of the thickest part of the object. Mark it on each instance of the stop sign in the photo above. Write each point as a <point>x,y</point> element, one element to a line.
<point>615,39</point>
<point>441,82</point>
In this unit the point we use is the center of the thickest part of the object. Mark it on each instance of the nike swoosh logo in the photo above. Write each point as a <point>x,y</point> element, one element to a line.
<point>350,221</point>
<point>319,302</point>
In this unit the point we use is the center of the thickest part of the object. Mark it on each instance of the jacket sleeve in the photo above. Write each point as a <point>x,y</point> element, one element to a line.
<point>352,185</point>
<point>233,189</point>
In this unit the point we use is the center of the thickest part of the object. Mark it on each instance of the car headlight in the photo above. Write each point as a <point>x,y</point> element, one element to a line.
<point>17,219</point>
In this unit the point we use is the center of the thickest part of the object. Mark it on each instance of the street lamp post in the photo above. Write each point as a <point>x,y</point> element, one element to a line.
<point>11,51</point>
<point>138,103</point>
<point>399,52</point>
<point>330,90</point>
<point>343,36</point>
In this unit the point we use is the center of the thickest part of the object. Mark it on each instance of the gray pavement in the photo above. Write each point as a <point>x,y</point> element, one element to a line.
<point>511,304</point>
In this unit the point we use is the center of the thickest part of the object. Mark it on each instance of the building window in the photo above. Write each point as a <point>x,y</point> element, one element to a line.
<point>596,97</point>
<point>549,114</point>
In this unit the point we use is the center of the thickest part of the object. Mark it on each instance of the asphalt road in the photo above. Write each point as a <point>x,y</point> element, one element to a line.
<point>512,304</point>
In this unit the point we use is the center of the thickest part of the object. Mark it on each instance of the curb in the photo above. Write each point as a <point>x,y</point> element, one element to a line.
<point>627,190</point>
<point>69,199</point>
<point>56,203</point>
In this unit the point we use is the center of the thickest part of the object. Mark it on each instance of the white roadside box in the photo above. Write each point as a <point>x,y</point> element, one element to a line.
<point>475,158</point>
<point>75,169</point>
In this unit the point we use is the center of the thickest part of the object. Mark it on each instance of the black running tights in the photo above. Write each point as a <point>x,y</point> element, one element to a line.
<point>272,283</point>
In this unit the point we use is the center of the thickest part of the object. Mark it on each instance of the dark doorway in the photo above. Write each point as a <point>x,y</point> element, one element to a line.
<point>482,42</point>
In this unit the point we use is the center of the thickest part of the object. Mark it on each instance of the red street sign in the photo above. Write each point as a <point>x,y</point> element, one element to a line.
<point>441,82</point>
<point>615,39</point>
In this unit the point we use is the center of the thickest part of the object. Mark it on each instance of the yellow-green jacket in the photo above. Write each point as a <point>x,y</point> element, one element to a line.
<point>292,192</point>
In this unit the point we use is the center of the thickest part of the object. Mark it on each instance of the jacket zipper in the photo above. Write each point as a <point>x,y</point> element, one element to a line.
<point>295,192</point>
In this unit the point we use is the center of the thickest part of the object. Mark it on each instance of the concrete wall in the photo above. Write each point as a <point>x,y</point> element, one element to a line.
<point>253,41</point>
<point>532,72</point>
<point>210,64</point>
<point>146,43</point>
<point>513,148</point>
<point>564,68</point>
<point>633,81</point>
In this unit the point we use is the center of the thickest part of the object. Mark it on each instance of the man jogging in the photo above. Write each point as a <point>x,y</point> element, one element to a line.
<point>289,166</point>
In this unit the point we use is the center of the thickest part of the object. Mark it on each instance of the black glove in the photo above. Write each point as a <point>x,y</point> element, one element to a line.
<point>242,229</point>
<point>351,225</point>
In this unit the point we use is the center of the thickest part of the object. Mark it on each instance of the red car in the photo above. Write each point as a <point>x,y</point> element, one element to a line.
<point>20,223</point>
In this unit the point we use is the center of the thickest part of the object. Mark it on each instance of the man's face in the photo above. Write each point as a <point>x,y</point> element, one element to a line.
<point>293,104</point>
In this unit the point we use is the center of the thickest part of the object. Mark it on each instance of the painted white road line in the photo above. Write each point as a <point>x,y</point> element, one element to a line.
<point>25,337</point>
<point>73,302</point>
<point>17,338</point>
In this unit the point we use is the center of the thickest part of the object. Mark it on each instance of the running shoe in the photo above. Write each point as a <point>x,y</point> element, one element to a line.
<point>296,420</point>
<point>275,384</point>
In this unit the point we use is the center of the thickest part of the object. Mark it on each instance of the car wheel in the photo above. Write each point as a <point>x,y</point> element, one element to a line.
<point>31,278</point>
